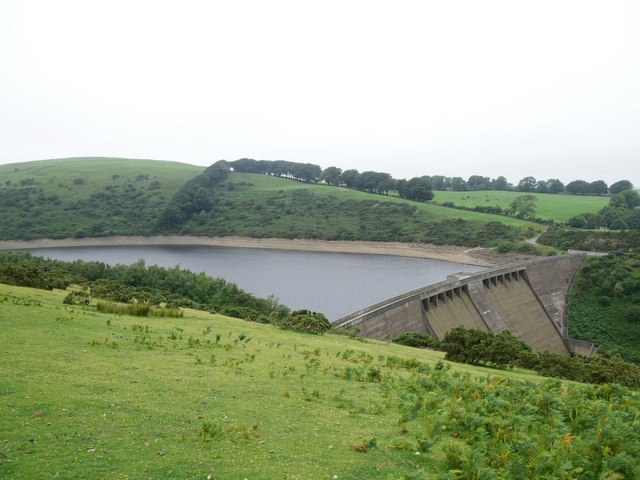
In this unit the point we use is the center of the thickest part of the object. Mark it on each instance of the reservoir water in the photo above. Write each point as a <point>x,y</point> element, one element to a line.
<point>335,284</point>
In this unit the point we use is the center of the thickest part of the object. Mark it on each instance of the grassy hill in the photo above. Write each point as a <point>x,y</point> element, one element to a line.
<point>109,196</point>
<point>93,196</point>
<point>264,206</point>
<point>559,208</point>
<point>94,395</point>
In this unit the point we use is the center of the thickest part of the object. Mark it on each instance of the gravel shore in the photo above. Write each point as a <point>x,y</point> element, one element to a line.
<point>475,256</point>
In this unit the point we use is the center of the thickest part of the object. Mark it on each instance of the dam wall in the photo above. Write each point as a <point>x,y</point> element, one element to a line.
<point>528,298</point>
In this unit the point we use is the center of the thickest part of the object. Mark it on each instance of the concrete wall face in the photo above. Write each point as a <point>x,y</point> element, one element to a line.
<point>386,326</point>
<point>529,299</point>
<point>445,313</point>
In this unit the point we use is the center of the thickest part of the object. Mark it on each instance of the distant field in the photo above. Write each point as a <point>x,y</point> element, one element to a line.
<point>97,395</point>
<point>556,207</point>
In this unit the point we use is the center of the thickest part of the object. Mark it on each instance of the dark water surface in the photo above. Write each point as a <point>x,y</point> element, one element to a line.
<point>336,284</point>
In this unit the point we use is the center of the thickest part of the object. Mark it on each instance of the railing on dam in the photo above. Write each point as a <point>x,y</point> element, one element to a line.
<point>529,298</point>
<point>455,281</point>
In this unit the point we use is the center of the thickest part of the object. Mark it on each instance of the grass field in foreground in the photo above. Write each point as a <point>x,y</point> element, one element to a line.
<point>548,206</point>
<point>91,395</point>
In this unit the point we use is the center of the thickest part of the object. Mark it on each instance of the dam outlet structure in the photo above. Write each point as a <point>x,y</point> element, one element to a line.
<point>531,299</point>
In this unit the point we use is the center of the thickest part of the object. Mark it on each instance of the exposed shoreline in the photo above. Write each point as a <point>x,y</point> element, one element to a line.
<point>476,256</point>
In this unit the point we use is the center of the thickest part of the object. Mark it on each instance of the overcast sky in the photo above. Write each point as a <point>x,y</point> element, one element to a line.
<point>515,88</point>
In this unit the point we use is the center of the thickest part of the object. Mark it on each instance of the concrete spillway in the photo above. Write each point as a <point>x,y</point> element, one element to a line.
<point>529,298</point>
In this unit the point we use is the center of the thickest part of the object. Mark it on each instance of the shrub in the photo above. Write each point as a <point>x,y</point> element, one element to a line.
<point>483,347</point>
<point>306,321</point>
<point>579,221</point>
<point>78,297</point>
<point>418,340</point>
<point>633,314</point>
<point>244,313</point>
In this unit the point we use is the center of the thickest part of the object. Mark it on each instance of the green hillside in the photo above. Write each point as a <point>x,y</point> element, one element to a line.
<point>559,208</point>
<point>95,395</point>
<point>93,196</point>
<point>106,196</point>
<point>605,305</point>
<point>221,202</point>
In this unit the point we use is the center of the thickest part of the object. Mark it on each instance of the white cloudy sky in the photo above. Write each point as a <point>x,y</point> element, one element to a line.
<point>451,87</point>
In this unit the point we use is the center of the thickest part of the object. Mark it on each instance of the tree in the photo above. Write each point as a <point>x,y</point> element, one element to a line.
<point>555,185</point>
<point>599,187</point>
<point>417,188</point>
<point>619,186</point>
<point>527,184</point>
<point>458,184</point>
<point>477,182</point>
<point>578,187</point>
<point>577,222</point>
<point>523,206</point>
<point>438,182</point>
<point>618,224</point>
<point>202,201</point>
<point>501,184</point>
<point>625,199</point>
<point>542,186</point>
<point>350,178</point>
<point>332,176</point>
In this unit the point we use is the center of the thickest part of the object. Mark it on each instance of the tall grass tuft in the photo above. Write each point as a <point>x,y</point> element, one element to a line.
<point>134,309</point>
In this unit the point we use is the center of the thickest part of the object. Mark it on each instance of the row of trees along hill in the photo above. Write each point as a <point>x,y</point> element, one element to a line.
<point>526,185</point>
<point>417,187</point>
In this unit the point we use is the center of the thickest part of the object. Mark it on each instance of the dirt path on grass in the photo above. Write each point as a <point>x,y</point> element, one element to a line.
<point>475,256</point>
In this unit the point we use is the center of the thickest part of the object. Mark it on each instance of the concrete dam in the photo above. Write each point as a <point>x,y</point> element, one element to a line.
<point>528,298</point>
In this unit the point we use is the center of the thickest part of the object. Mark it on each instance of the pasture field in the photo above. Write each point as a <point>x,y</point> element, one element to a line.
<point>559,208</point>
<point>85,394</point>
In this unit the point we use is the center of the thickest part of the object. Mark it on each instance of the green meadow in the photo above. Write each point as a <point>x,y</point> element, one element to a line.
<point>85,394</point>
<point>559,208</point>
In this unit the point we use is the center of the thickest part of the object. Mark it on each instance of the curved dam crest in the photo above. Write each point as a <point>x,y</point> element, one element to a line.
<point>529,298</point>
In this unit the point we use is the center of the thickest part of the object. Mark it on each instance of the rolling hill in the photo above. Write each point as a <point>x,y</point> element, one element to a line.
<point>108,196</point>
<point>94,196</point>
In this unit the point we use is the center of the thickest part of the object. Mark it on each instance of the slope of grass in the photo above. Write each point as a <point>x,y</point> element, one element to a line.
<point>95,395</point>
<point>265,183</point>
<point>86,196</point>
<point>263,206</point>
<point>559,208</point>
<point>113,196</point>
